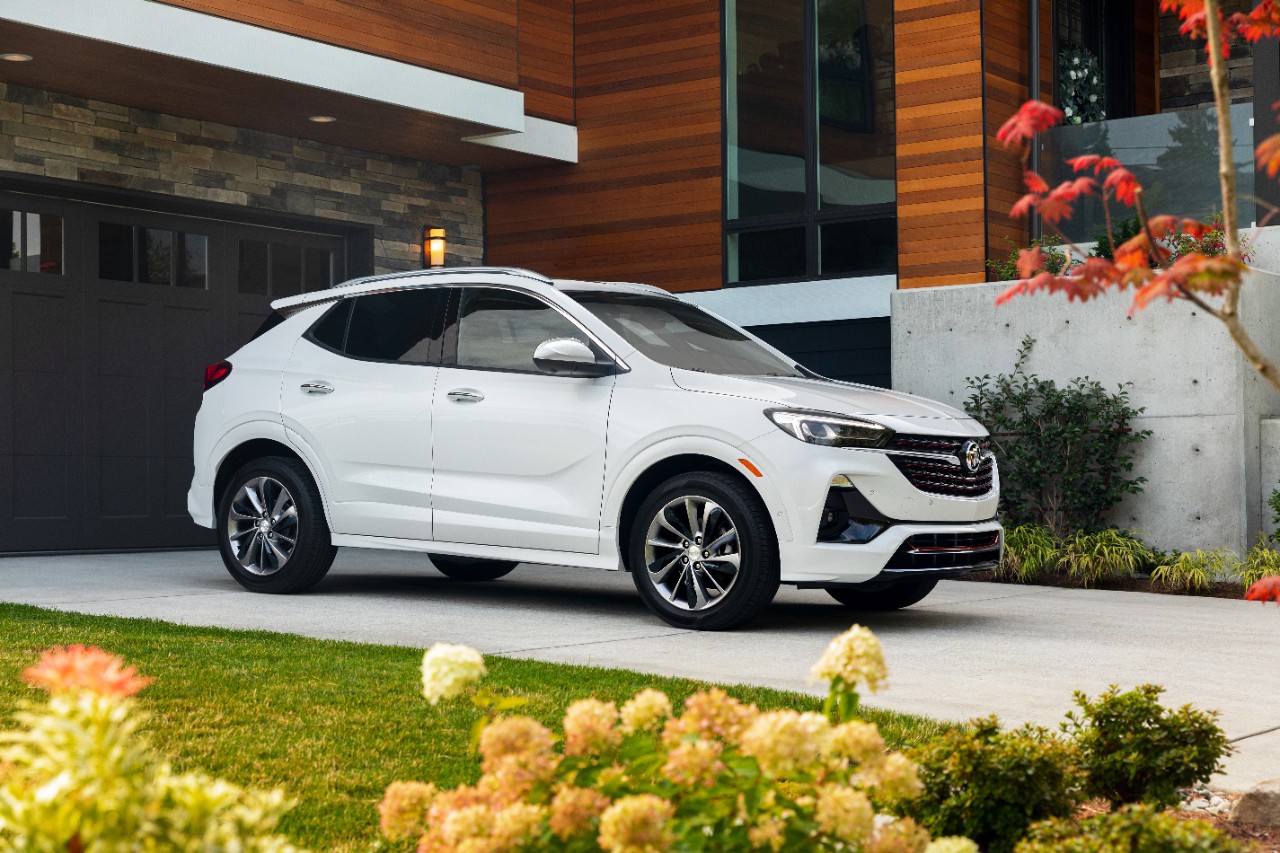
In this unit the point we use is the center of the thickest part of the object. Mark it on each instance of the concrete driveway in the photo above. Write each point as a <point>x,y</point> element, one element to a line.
<point>968,649</point>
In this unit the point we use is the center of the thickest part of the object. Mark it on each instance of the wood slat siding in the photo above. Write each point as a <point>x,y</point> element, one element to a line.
<point>472,38</point>
<point>644,201</point>
<point>546,58</point>
<point>1006,42</point>
<point>938,52</point>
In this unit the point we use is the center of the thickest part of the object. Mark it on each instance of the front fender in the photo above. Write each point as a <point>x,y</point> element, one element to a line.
<point>638,463</point>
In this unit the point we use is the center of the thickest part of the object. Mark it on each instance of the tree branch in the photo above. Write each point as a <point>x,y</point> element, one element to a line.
<point>1226,140</point>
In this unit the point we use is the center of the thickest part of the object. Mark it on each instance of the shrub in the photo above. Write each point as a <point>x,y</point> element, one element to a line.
<point>1213,243</point>
<point>77,773</point>
<point>1262,561</point>
<point>1065,454</point>
<point>1195,570</point>
<point>1006,269</point>
<point>1102,553</point>
<point>1133,829</point>
<point>1137,751</point>
<point>991,785</point>
<point>721,775</point>
<point>1122,231</point>
<point>1030,551</point>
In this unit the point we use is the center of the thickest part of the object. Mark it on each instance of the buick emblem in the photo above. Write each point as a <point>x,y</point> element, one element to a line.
<point>971,451</point>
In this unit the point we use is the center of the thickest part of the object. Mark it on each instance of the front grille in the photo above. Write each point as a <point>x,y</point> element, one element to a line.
<point>947,550</point>
<point>937,476</point>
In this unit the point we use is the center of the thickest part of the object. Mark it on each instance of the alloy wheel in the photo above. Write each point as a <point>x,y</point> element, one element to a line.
<point>262,526</point>
<point>692,553</point>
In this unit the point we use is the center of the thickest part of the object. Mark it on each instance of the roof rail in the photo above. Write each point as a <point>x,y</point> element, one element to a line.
<point>516,271</point>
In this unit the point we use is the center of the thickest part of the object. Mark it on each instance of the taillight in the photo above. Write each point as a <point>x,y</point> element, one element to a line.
<point>215,373</point>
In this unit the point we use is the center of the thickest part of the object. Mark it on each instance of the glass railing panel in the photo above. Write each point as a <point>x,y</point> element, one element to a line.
<point>1174,155</point>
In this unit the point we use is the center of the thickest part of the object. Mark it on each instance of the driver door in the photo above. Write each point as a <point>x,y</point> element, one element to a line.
<point>518,454</point>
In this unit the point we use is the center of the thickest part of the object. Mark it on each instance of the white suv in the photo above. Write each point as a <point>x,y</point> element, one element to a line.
<point>491,417</point>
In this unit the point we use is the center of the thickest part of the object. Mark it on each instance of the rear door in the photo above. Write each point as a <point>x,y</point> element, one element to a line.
<point>519,455</point>
<point>357,394</point>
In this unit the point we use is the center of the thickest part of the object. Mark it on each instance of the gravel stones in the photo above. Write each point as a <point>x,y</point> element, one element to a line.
<point>1201,799</point>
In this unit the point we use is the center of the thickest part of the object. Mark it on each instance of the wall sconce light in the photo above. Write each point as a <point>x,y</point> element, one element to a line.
<point>433,244</point>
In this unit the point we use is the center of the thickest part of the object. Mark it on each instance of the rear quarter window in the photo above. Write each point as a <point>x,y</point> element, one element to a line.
<point>331,330</point>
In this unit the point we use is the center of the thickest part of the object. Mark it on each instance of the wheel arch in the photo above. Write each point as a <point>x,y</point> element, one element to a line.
<point>670,466</point>
<point>247,451</point>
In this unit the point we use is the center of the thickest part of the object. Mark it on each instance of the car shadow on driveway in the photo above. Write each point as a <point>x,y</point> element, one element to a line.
<point>589,595</point>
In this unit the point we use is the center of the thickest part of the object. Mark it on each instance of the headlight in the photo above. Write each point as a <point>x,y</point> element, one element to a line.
<point>829,430</point>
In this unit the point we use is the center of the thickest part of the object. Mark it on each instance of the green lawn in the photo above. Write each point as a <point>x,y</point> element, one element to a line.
<point>331,722</point>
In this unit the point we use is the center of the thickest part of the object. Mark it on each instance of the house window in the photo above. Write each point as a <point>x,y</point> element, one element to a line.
<point>1095,36</point>
<point>810,188</point>
<point>35,242</point>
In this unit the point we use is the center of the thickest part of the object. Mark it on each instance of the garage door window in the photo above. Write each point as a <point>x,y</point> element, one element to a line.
<point>35,242</point>
<point>283,269</point>
<point>152,256</point>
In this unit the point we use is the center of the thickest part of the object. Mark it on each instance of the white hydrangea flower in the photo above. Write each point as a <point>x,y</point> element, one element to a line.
<point>853,657</point>
<point>447,670</point>
<point>952,844</point>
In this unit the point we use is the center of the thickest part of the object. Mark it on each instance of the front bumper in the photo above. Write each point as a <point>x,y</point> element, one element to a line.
<point>803,475</point>
<point>825,564</point>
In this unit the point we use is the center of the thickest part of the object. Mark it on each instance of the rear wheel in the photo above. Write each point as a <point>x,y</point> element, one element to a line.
<point>272,531</point>
<point>895,597</point>
<point>471,568</point>
<point>702,552</point>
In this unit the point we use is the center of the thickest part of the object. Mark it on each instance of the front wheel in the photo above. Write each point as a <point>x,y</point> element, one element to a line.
<point>271,527</point>
<point>894,597</point>
<point>702,552</point>
<point>471,568</point>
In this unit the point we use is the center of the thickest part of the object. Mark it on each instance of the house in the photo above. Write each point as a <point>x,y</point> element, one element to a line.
<point>168,167</point>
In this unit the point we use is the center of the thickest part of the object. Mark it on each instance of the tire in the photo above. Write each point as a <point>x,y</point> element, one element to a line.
<point>895,597</point>
<point>271,483</point>
<point>471,569</point>
<point>699,588</point>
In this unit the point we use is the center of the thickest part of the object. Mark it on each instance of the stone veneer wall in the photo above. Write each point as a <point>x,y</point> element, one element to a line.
<point>59,136</point>
<point>1184,70</point>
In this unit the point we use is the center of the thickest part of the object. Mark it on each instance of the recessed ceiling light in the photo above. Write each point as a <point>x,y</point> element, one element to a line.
<point>323,119</point>
<point>15,57</point>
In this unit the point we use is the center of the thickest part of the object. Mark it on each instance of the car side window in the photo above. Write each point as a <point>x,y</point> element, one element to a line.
<point>331,329</point>
<point>403,326</point>
<point>500,329</point>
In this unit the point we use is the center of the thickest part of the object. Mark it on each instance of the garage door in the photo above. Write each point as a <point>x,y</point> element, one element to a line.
<point>108,316</point>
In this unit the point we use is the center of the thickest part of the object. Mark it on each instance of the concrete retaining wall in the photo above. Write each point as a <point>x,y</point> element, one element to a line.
<point>1202,403</point>
<point>1270,469</point>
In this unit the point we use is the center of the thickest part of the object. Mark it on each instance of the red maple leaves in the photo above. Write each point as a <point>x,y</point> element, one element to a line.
<point>1031,118</point>
<point>1267,589</point>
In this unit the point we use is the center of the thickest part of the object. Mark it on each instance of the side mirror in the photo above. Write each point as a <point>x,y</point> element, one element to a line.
<point>570,357</point>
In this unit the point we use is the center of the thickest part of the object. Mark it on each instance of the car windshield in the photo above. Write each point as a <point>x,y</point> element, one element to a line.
<point>681,335</point>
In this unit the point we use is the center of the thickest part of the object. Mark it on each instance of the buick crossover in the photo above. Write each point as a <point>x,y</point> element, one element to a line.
<point>487,418</point>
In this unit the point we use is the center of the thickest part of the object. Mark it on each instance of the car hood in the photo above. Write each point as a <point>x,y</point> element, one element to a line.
<point>898,411</point>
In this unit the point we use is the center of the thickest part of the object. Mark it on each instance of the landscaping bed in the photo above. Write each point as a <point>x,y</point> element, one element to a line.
<point>1265,839</point>
<point>1134,583</point>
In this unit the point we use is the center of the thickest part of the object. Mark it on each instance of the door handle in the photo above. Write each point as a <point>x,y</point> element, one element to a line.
<point>316,388</point>
<point>465,395</point>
